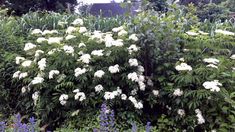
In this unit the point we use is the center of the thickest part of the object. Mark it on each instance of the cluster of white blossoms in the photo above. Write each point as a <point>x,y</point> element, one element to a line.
<point>212,85</point>
<point>19,59</point>
<point>224,32</point>
<point>112,95</point>
<point>52,73</point>
<point>133,37</point>
<point>99,74</point>
<point>183,67</point>
<point>20,75</point>
<point>38,53</point>
<point>45,32</point>
<point>37,80</point>
<point>79,95</point>
<point>192,33</point>
<point>200,118</point>
<point>212,62</point>
<point>181,112</point>
<point>155,92</point>
<point>138,77</point>
<point>29,46</point>
<point>79,71</point>
<point>68,37</point>
<point>63,99</point>
<point>114,69</point>
<point>54,40</point>
<point>35,97</point>
<point>97,52</point>
<point>138,105</point>
<point>85,58</point>
<point>178,92</point>
<point>133,62</point>
<point>233,57</point>
<point>26,63</point>
<point>133,48</point>
<point>99,88</point>
<point>68,49</point>
<point>42,64</point>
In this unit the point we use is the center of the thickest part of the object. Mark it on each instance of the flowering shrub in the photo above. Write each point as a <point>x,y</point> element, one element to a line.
<point>75,68</point>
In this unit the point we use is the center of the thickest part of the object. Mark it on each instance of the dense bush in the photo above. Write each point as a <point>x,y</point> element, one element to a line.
<point>186,82</point>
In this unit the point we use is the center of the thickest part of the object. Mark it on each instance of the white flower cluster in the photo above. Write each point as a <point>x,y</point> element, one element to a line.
<point>20,75</point>
<point>79,71</point>
<point>78,22</point>
<point>37,80</point>
<point>71,29</point>
<point>181,112</point>
<point>155,92</point>
<point>79,95</point>
<point>178,92</point>
<point>112,95</point>
<point>191,33</point>
<point>183,67</point>
<point>233,57</point>
<point>137,104</point>
<point>212,62</point>
<point>114,69</point>
<point>200,118</point>
<point>52,73</point>
<point>41,40</point>
<point>68,49</point>
<point>38,52</point>
<point>42,64</point>
<point>212,85</point>
<point>133,48</point>
<point>85,58</point>
<point>63,99</point>
<point>29,46</point>
<point>19,59</point>
<point>68,37</point>
<point>133,37</point>
<point>55,40</point>
<point>224,32</point>
<point>35,97</point>
<point>133,62</point>
<point>97,52</point>
<point>99,88</point>
<point>82,30</point>
<point>99,73</point>
<point>27,63</point>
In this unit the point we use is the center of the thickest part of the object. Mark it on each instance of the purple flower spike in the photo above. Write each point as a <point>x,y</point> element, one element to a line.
<point>2,126</point>
<point>134,127</point>
<point>148,127</point>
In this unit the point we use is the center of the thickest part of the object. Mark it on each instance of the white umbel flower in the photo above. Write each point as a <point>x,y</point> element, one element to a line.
<point>85,58</point>
<point>212,85</point>
<point>178,92</point>
<point>41,40</point>
<point>99,88</point>
<point>81,45</point>
<point>117,29</point>
<point>78,22</point>
<point>26,63</point>
<point>35,97</point>
<point>42,64</point>
<point>123,97</point>
<point>38,52</point>
<point>133,77</point>
<point>82,30</point>
<point>97,52</point>
<point>16,74</point>
<point>224,32</point>
<point>55,40</point>
<point>133,62</point>
<point>23,90</point>
<point>203,33</point>
<point>23,75</point>
<point>70,30</point>
<point>52,73</point>
<point>114,69</point>
<point>133,48</point>
<point>80,96</point>
<point>181,112</point>
<point>183,67</point>
<point>155,92</point>
<point>63,99</point>
<point>233,57</point>
<point>99,73</point>
<point>79,71</point>
<point>133,37</point>
<point>211,61</point>
<point>191,33</point>
<point>68,37</point>
<point>68,49</point>
<point>117,43</point>
<point>29,46</point>
<point>36,31</point>
<point>109,95</point>
<point>19,59</point>
<point>200,118</point>
<point>212,66</point>
<point>122,33</point>
<point>37,80</point>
